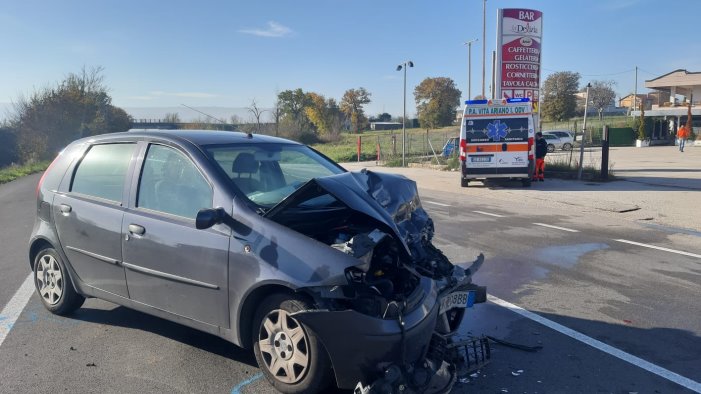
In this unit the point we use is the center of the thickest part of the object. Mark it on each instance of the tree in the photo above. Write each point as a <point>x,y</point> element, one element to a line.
<point>256,112</point>
<point>323,113</point>
<point>277,115</point>
<point>559,100</point>
<point>352,106</point>
<point>292,104</point>
<point>436,102</point>
<point>171,118</point>
<point>601,95</point>
<point>78,106</point>
<point>384,117</point>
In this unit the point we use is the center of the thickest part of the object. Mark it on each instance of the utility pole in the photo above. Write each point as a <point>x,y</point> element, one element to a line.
<point>484,42</point>
<point>635,90</point>
<point>494,77</point>
<point>469,68</point>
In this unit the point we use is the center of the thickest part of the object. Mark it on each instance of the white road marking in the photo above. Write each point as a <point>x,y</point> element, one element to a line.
<point>698,256</point>
<point>627,357</point>
<point>12,310</point>
<point>556,227</point>
<point>489,214</point>
<point>437,203</point>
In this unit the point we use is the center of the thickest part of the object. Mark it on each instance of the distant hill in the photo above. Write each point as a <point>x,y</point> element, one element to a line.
<point>188,115</point>
<point>185,114</point>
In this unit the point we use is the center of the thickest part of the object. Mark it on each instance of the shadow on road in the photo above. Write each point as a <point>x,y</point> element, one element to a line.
<point>124,317</point>
<point>620,184</point>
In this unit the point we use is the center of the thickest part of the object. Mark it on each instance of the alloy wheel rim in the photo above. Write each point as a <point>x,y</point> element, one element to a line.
<point>284,347</point>
<point>49,279</point>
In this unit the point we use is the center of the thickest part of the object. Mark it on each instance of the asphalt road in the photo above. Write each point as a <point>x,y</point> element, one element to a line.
<point>635,299</point>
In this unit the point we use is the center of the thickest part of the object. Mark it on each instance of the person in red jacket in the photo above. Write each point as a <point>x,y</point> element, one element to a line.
<point>541,149</point>
<point>682,134</point>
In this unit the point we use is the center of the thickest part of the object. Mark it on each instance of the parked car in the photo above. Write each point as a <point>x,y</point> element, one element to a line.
<point>329,276</point>
<point>566,138</point>
<point>553,141</point>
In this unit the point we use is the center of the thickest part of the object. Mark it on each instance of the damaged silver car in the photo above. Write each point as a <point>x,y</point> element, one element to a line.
<point>329,276</point>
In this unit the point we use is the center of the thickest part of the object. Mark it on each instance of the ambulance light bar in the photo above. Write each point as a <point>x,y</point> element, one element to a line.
<point>509,101</point>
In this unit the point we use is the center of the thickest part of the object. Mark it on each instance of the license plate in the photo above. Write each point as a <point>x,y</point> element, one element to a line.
<point>480,159</point>
<point>458,299</point>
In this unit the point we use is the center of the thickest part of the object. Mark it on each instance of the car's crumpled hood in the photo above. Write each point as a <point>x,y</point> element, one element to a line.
<point>390,199</point>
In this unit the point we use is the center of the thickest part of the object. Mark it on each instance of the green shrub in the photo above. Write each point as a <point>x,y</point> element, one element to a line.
<point>11,173</point>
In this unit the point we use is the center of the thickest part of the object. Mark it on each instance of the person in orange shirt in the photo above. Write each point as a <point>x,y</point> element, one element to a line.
<point>682,134</point>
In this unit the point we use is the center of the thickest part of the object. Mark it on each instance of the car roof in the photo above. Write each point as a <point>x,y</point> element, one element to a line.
<point>557,131</point>
<point>197,137</point>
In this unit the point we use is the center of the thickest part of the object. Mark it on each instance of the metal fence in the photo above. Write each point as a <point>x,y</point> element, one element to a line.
<point>423,147</point>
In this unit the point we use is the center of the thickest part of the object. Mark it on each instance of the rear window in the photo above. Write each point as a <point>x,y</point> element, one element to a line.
<point>496,130</point>
<point>103,170</point>
<point>54,174</point>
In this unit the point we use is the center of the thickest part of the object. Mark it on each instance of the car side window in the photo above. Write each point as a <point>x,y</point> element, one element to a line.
<point>171,183</point>
<point>102,171</point>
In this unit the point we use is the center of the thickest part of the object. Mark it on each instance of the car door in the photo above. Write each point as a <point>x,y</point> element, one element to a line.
<point>170,264</point>
<point>88,213</point>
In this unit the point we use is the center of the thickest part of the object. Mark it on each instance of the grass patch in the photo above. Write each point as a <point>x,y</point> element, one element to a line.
<point>11,173</point>
<point>418,144</point>
<point>564,167</point>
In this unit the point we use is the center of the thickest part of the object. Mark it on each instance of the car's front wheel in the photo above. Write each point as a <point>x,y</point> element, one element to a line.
<point>551,148</point>
<point>53,284</point>
<point>290,355</point>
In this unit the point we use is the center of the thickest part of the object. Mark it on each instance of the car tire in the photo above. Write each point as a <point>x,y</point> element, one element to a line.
<point>54,285</point>
<point>290,355</point>
<point>464,182</point>
<point>566,146</point>
<point>551,148</point>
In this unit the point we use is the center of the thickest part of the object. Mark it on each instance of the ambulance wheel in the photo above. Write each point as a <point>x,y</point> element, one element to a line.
<point>464,182</point>
<point>526,182</point>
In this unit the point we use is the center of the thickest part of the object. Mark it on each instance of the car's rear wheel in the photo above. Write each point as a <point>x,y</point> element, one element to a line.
<point>566,146</point>
<point>551,148</point>
<point>464,182</point>
<point>290,355</point>
<point>54,285</point>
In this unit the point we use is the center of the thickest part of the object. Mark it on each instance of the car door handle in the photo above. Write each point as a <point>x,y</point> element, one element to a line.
<point>136,229</point>
<point>65,208</point>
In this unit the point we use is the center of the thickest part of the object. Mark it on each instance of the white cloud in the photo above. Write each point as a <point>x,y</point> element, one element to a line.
<point>140,97</point>
<point>273,29</point>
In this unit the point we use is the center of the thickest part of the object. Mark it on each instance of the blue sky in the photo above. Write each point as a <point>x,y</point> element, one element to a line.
<point>227,53</point>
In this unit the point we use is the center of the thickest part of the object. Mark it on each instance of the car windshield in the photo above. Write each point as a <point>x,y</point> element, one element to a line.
<point>267,173</point>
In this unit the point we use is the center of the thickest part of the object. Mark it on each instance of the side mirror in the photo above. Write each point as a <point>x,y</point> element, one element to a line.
<point>208,217</point>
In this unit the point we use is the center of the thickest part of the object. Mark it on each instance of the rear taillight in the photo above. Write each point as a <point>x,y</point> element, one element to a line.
<point>530,148</point>
<point>463,150</point>
<point>41,180</point>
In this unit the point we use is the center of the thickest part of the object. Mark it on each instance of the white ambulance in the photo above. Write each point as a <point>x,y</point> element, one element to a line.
<point>496,140</point>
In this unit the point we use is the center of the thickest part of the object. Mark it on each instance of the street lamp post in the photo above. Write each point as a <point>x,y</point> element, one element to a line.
<point>469,68</point>
<point>584,130</point>
<point>404,66</point>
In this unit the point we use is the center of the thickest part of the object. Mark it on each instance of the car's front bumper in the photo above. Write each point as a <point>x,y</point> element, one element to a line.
<point>360,345</point>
